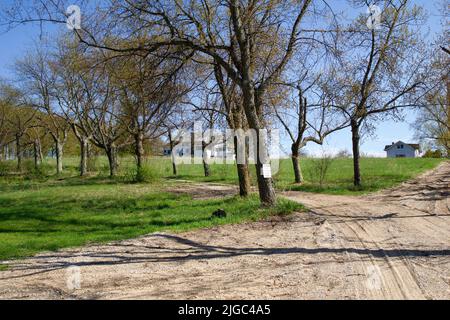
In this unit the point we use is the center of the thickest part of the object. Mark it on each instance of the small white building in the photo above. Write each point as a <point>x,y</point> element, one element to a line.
<point>400,149</point>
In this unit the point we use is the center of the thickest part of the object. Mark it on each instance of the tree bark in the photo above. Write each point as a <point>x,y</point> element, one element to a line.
<point>139,149</point>
<point>84,148</point>
<point>172,156</point>
<point>243,172</point>
<point>59,156</point>
<point>111,152</point>
<point>41,156</point>
<point>295,163</point>
<point>5,151</point>
<point>36,153</point>
<point>265,185</point>
<point>244,180</point>
<point>266,188</point>
<point>18,154</point>
<point>206,168</point>
<point>356,154</point>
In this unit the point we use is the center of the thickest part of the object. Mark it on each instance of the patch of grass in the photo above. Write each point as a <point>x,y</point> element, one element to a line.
<point>58,214</point>
<point>377,174</point>
<point>3,267</point>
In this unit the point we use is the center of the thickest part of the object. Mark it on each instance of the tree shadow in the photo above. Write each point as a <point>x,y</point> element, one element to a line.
<point>184,249</point>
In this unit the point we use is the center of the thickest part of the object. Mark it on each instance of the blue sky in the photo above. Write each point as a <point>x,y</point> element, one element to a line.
<point>15,43</point>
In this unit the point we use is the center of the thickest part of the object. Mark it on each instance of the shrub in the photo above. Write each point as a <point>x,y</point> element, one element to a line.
<point>146,173</point>
<point>7,167</point>
<point>433,154</point>
<point>31,171</point>
<point>319,169</point>
<point>92,163</point>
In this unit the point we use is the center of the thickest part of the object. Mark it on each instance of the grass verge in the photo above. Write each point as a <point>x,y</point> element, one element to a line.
<point>57,216</point>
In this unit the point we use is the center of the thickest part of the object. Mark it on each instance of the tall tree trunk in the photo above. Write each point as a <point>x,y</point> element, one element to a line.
<point>296,164</point>
<point>172,156</point>
<point>36,153</point>
<point>84,148</point>
<point>41,156</point>
<point>59,156</point>
<point>265,185</point>
<point>111,152</point>
<point>206,168</point>
<point>243,171</point>
<point>5,151</point>
<point>139,149</point>
<point>244,179</point>
<point>18,153</point>
<point>356,155</point>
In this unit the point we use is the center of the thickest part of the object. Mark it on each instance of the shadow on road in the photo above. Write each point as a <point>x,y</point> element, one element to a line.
<point>190,250</point>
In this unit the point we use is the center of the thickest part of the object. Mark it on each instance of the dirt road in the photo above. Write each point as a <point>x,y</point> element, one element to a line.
<point>394,245</point>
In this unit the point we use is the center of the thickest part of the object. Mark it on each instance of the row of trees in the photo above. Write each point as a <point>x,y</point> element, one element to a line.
<point>109,102</point>
<point>139,69</point>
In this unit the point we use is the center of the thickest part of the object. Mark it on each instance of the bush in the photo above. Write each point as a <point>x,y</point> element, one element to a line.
<point>6,168</point>
<point>92,165</point>
<point>319,169</point>
<point>31,171</point>
<point>437,154</point>
<point>146,173</point>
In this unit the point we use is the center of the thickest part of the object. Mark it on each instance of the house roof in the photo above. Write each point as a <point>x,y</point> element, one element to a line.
<point>415,146</point>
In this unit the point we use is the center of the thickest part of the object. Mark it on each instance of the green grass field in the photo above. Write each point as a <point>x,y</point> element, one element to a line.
<point>40,212</point>
<point>376,173</point>
<point>71,212</point>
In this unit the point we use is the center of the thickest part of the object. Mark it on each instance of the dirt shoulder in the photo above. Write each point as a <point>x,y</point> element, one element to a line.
<point>393,244</point>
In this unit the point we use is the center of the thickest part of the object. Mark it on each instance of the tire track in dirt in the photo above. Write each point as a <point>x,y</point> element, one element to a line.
<point>403,274</point>
<point>408,219</point>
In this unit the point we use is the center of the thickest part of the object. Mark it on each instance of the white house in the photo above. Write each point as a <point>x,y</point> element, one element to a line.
<point>400,149</point>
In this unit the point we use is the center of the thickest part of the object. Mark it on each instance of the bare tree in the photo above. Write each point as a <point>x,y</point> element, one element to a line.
<point>305,123</point>
<point>38,74</point>
<point>433,120</point>
<point>148,89</point>
<point>380,71</point>
<point>71,96</point>
<point>98,116</point>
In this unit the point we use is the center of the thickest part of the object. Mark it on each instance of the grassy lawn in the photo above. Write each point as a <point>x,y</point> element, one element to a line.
<point>53,214</point>
<point>376,174</point>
